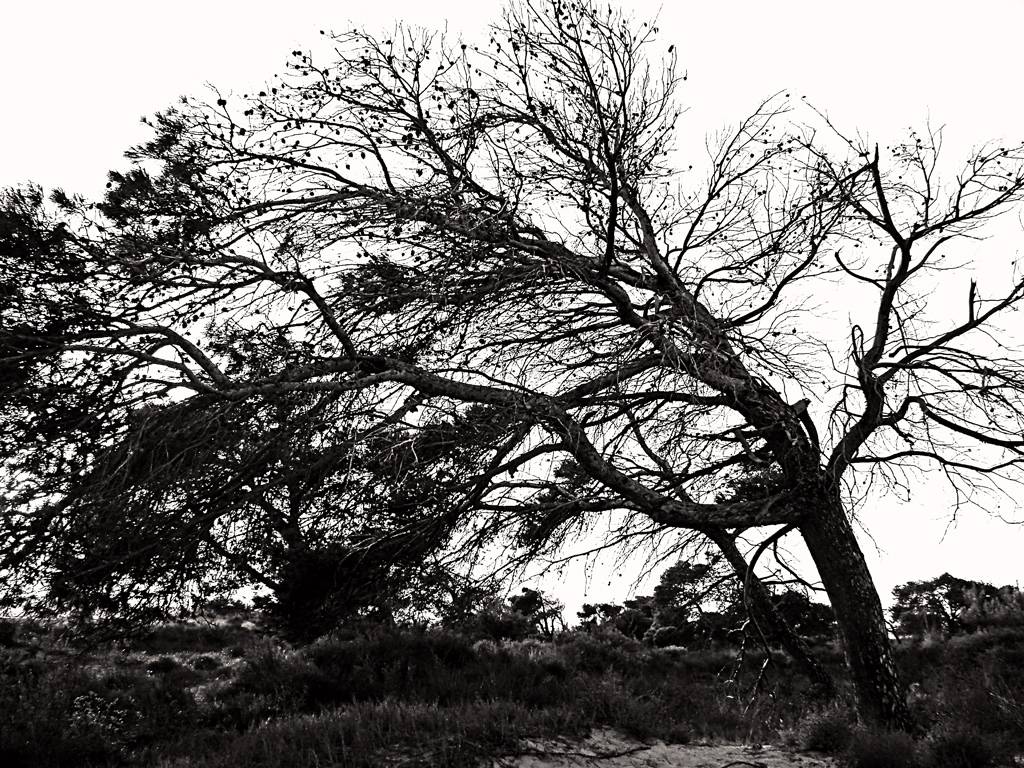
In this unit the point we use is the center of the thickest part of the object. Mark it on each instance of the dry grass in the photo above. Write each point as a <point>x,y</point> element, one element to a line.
<point>436,698</point>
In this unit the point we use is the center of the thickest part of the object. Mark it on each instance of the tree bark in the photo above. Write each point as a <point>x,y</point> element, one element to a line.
<point>764,614</point>
<point>880,697</point>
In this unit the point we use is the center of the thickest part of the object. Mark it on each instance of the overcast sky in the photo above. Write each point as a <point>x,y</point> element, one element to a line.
<point>77,76</point>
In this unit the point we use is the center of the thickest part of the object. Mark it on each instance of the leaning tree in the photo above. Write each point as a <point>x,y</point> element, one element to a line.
<point>500,247</point>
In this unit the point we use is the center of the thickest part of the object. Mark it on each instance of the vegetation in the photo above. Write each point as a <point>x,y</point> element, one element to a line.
<point>882,750</point>
<point>950,605</point>
<point>830,731</point>
<point>417,301</point>
<point>227,693</point>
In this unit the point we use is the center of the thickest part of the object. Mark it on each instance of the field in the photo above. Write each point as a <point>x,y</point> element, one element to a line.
<point>226,693</point>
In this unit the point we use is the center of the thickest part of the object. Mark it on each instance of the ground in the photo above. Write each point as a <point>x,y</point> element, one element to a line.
<point>608,749</point>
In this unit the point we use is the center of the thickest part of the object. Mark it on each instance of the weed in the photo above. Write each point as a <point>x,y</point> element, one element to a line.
<point>829,731</point>
<point>162,665</point>
<point>961,749</point>
<point>881,749</point>
<point>206,663</point>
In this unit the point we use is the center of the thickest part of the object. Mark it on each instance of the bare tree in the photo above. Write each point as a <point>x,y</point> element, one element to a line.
<point>509,235</point>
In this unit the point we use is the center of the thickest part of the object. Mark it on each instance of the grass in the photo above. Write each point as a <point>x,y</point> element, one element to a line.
<point>360,735</point>
<point>206,697</point>
<point>870,749</point>
<point>829,731</point>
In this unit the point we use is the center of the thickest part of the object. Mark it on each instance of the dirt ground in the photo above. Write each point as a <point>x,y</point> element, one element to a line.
<point>608,749</point>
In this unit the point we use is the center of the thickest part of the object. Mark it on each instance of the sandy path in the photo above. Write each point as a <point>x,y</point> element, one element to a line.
<point>608,749</point>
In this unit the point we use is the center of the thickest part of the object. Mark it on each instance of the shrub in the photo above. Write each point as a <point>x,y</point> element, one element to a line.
<point>8,632</point>
<point>663,637</point>
<point>601,652</point>
<point>961,749</point>
<point>281,680</point>
<point>829,731</point>
<point>162,665</point>
<point>500,623</point>
<point>206,663</point>
<point>368,735</point>
<point>124,679</point>
<point>173,637</point>
<point>881,749</point>
<point>53,713</point>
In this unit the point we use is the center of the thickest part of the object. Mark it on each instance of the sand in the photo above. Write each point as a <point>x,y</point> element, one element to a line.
<point>608,749</point>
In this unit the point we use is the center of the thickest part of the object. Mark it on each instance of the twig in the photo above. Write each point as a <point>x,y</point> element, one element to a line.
<point>587,755</point>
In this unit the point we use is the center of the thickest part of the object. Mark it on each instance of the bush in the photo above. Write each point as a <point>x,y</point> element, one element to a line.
<point>162,665</point>
<point>961,749</point>
<point>284,679</point>
<point>500,623</point>
<point>174,637</point>
<point>882,749</point>
<point>663,637</point>
<point>206,663</point>
<point>55,714</point>
<point>8,633</point>
<point>829,731</point>
<point>601,652</point>
<point>386,733</point>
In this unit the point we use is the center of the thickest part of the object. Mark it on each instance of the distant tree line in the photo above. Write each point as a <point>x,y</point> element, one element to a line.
<point>689,607</point>
<point>947,605</point>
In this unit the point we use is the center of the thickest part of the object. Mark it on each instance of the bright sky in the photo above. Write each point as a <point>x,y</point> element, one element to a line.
<point>78,76</point>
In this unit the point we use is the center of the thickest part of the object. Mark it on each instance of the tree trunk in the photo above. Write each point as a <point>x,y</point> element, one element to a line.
<point>880,697</point>
<point>764,614</point>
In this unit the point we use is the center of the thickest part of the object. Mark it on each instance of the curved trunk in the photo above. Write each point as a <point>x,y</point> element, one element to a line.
<point>763,612</point>
<point>880,697</point>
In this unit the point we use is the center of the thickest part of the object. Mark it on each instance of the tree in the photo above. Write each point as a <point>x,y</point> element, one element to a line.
<point>594,615</point>
<point>808,618</point>
<point>687,590</point>
<point>507,234</point>
<point>936,605</point>
<point>545,613</point>
<point>211,495</point>
<point>680,610</point>
<point>530,613</point>
<point>1003,607</point>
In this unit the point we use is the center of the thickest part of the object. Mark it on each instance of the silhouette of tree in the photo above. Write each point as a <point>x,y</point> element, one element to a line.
<point>807,618</point>
<point>989,607</point>
<point>936,605</point>
<point>507,234</point>
<point>594,615</point>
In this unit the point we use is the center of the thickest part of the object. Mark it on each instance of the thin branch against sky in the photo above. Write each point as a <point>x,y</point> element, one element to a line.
<point>80,75</point>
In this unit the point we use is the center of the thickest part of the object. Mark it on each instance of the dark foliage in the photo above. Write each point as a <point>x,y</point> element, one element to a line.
<point>359,698</point>
<point>937,604</point>
<point>882,749</point>
<point>829,731</point>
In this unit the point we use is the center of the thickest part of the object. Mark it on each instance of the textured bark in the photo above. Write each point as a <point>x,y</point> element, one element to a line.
<point>768,620</point>
<point>880,698</point>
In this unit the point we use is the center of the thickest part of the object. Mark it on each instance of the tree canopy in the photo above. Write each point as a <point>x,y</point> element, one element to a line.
<point>949,605</point>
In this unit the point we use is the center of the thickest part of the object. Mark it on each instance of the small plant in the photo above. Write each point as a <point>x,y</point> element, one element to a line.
<point>961,749</point>
<point>677,734</point>
<point>829,731</point>
<point>8,633</point>
<point>206,663</point>
<point>162,665</point>
<point>881,749</point>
